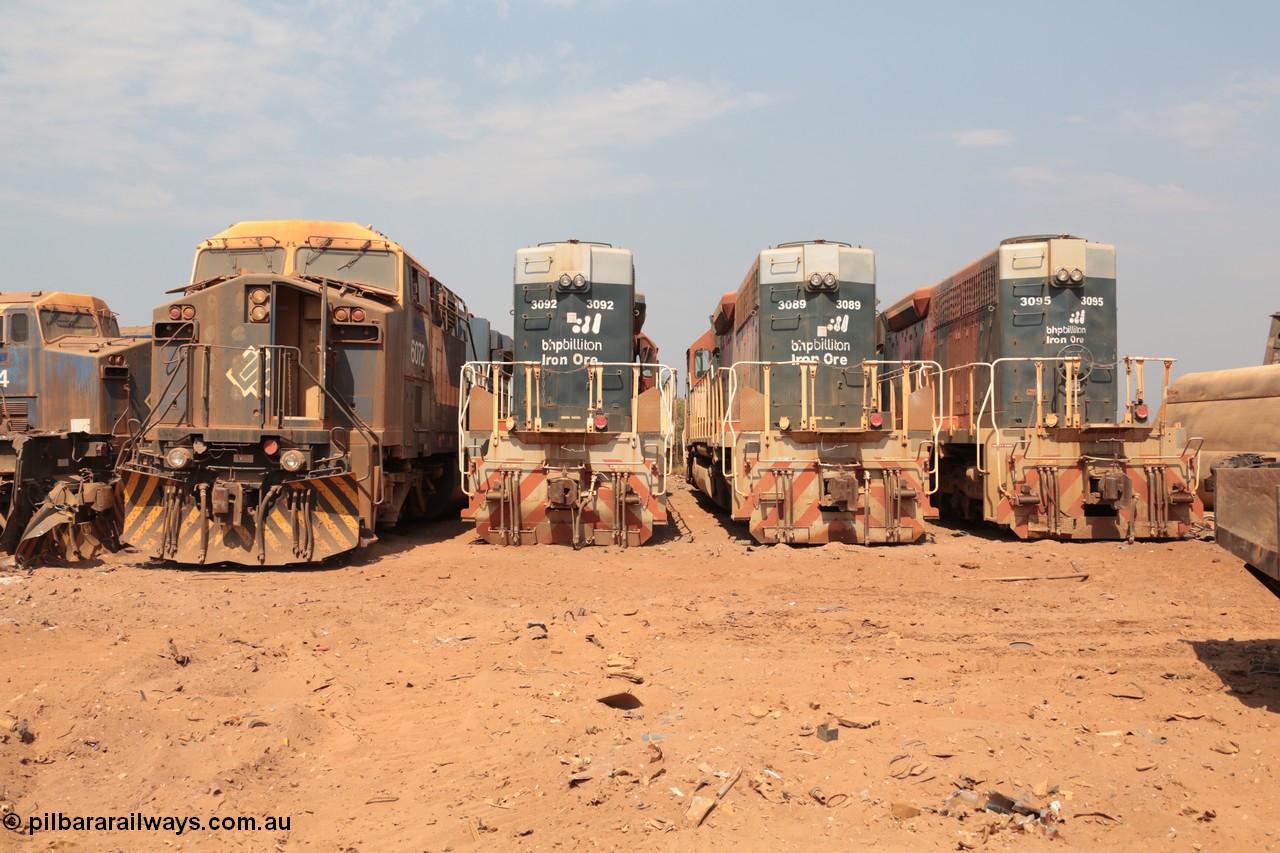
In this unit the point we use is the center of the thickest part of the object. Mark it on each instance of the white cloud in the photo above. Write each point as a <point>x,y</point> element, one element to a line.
<point>504,6</point>
<point>537,151</point>
<point>1068,184</point>
<point>978,137</point>
<point>92,82</point>
<point>117,109</point>
<point>512,68</point>
<point>110,97</point>
<point>626,116</point>
<point>1223,119</point>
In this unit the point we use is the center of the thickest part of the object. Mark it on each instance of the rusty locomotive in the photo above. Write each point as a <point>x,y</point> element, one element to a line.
<point>58,450</point>
<point>303,394</point>
<point>1028,433</point>
<point>570,443</point>
<point>787,422</point>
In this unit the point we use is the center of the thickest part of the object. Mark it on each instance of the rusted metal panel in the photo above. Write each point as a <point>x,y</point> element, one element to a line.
<point>1248,515</point>
<point>751,410</point>
<point>574,446</point>
<point>788,429</point>
<point>1030,430</point>
<point>480,414</point>
<point>1272,353</point>
<point>306,393</point>
<point>650,411</point>
<point>72,384</point>
<point>1092,484</point>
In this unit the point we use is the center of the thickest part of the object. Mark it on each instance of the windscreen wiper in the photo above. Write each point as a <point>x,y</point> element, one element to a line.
<point>357,256</point>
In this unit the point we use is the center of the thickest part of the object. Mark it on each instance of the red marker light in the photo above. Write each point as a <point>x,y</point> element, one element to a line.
<point>270,446</point>
<point>876,420</point>
<point>1141,412</point>
<point>602,423</point>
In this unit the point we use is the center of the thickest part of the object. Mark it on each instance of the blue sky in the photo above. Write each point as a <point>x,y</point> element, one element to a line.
<point>694,133</point>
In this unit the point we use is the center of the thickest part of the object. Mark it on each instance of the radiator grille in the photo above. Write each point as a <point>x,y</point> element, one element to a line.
<point>17,413</point>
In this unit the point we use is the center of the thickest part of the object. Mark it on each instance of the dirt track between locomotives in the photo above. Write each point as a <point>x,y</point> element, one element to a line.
<point>413,702</point>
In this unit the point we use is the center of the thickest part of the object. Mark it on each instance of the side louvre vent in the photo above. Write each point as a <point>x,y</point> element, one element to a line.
<point>15,415</point>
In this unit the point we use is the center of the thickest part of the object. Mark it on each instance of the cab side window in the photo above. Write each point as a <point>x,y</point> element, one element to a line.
<point>419,288</point>
<point>701,362</point>
<point>18,328</point>
<point>424,289</point>
<point>411,284</point>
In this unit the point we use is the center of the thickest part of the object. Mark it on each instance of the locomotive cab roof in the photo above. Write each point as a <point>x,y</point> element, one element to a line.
<point>58,298</point>
<point>258,229</point>
<point>1038,238</point>
<point>817,241</point>
<point>290,247</point>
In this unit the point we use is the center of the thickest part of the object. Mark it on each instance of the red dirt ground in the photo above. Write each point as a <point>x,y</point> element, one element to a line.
<point>411,701</point>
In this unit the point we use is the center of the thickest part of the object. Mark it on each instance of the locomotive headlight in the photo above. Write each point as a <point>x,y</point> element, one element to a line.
<point>357,314</point>
<point>1077,276</point>
<point>566,280</point>
<point>815,280</point>
<point>188,312</point>
<point>258,313</point>
<point>292,460</point>
<point>1062,276</point>
<point>258,296</point>
<point>115,359</point>
<point>175,312</point>
<point>579,280</point>
<point>178,458</point>
<point>341,314</point>
<point>829,279</point>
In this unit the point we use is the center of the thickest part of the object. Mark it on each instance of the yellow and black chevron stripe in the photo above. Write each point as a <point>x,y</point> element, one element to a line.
<point>306,522</point>
<point>143,500</point>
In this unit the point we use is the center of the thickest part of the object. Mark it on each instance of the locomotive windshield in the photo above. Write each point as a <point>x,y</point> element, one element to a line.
<point>212,263</point>
<point>56,323</point>
<point>374,268</point>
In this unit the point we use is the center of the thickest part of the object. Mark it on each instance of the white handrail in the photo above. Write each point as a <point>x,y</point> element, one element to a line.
<point>870,397</point>
<point>499,382</point>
